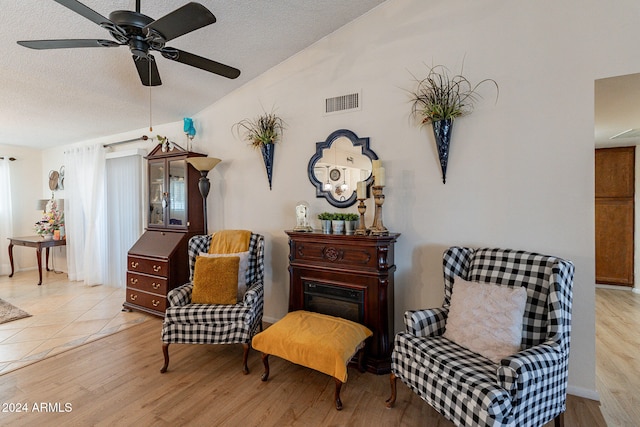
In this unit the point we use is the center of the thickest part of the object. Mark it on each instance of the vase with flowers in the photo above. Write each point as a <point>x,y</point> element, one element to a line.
<point>52,220</point>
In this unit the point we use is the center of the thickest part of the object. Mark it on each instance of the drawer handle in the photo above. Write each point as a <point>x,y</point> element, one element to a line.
<point>133,281</point>
<point>157,268</point>
<point>134,264</point>
<point>133,297</point>
<point>155,303</point>
<point>155,285</point>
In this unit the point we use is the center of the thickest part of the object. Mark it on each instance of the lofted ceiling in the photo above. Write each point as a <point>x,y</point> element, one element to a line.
<point>60,96</point>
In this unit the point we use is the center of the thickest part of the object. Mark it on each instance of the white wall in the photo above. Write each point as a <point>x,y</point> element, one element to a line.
<point>520,173</point>
<point>26,175</point>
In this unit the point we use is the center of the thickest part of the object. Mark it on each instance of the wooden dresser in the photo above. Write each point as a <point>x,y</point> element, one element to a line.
<point>347,276</point>
<point>158,261</point>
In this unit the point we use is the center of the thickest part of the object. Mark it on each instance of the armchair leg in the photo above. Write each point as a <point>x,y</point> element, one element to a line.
<point>245,356</point>
<point>392,399</point>
<point>165,352</point>
<point>559,420</point>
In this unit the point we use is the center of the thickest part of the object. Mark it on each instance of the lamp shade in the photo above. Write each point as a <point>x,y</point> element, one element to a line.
<point>203,164</point>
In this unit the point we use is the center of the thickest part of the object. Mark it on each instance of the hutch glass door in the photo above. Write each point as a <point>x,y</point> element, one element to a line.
<point>177,193</point>
<point>157,193</point>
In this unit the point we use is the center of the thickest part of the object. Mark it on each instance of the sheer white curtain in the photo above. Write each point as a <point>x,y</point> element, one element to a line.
<point>6,216</point>
<point>125,213</point>
<point>85,214</point>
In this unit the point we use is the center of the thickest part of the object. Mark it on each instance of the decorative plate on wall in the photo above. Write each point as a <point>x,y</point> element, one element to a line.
<point>53,180</point>
<point>334,174</point>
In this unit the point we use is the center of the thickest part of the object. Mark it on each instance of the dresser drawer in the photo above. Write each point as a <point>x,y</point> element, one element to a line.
<point>152,284</point>
<point>148,266</point>
<point>143,299</point>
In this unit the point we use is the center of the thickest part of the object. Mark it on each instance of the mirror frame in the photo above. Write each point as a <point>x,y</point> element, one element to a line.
<point>323,145</point>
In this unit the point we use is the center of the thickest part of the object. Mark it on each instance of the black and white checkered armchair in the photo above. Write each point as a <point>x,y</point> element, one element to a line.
<point>526,389</point>
<point>187,323</point>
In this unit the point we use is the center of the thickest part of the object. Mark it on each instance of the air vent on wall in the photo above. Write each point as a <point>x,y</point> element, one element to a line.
<point>342,104</point>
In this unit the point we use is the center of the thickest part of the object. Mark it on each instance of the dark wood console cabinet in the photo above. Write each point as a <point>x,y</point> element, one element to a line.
<point>349,268</point>
<point>158,261</point>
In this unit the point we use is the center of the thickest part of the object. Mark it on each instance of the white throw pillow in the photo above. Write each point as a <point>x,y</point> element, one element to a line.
<point>242,269</point>
<point>486,318</point>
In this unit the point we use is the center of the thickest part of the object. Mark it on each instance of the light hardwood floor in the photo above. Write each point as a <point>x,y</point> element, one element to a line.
<point>116,381</point>
<point>618,356</point>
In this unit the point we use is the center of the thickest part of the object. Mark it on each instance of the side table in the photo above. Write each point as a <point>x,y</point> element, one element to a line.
<point>34,242</point>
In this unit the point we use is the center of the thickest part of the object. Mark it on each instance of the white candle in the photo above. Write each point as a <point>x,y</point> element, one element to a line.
<point>361,190</point>
<point>375,164</point>
<point>379,177</point>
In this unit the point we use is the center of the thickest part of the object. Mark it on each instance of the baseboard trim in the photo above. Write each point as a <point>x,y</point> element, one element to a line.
<point>269,319</point>
<point>583,392</point>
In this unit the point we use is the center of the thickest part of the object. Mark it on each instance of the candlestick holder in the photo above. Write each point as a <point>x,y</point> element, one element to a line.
<point>362,228</point>
<point>378,228</point>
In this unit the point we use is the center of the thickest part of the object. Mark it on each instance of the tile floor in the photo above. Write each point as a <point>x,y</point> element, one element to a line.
<point>64,315</point>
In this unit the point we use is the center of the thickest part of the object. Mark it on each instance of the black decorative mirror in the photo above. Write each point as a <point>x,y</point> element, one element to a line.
<point>337,166</point>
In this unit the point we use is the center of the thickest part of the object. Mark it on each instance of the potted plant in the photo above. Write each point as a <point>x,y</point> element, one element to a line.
<point>325,218</point>
<point>262,133</point>
<point>337,223</point>
<point>439,99</point>
<point>351,222</point>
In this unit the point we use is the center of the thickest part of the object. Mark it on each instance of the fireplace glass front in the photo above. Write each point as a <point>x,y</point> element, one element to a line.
<point>334,300</point>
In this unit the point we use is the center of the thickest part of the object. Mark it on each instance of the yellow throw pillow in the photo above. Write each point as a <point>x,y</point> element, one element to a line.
<point>215,280</point>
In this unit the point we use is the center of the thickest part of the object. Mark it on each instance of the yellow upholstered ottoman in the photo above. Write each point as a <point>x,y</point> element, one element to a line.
<point>318,341</point>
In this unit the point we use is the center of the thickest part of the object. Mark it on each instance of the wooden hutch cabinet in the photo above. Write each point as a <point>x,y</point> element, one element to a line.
<point>347,276</point>
<point>158,261</point>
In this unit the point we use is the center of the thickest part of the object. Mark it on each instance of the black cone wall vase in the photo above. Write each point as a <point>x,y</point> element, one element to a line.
<point>267,156</point>
<point>442,132</point>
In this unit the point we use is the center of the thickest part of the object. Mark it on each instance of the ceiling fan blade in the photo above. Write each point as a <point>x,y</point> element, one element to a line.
<point>85,11</point>
<point>200,62</point>
<point>142,65</point>
<point>67,43</point>
<point>181,21</point>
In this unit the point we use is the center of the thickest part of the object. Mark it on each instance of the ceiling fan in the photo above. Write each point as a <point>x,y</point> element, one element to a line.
<point>143,34</point>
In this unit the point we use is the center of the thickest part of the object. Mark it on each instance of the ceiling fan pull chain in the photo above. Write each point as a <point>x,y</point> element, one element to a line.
<point>150,115</point>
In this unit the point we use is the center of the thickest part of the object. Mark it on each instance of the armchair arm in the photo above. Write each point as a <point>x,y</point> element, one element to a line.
<point>538,364</point>
<point>254,294</point>
<point>426,323</point>
<point>254,301</point>
<point>180,296</point>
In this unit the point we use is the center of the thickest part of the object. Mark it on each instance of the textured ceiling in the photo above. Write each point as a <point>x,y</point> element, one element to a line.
<point>61,96</point>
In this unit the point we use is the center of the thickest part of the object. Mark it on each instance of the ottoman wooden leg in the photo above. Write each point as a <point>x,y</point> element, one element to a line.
<point>265,361</point>
<point>361,366</point>
<point>337,395</point>
<point>392,399</point>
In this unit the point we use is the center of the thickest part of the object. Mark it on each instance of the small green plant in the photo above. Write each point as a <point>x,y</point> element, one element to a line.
<point>351,217</point>
<point>325,216</point>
